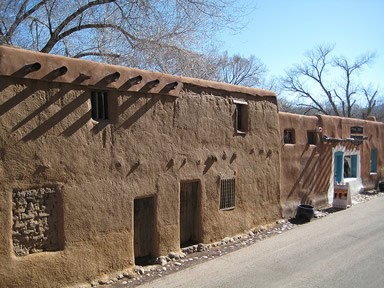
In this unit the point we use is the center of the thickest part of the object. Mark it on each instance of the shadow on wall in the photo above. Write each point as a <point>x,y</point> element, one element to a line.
<point>313,181</point>
<point>65,111</point>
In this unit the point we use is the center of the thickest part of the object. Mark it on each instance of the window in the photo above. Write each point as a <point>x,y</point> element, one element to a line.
<point>350,166</point>
<point>227,193</point>
<point>374,160</point>
<point>357,130</point>
<point>311,137</point>
<point>99,104</point>
<point>241,116</point>
<point>289,136</point>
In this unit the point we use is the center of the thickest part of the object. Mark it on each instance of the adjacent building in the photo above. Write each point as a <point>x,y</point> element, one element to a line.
<point>319,152</point>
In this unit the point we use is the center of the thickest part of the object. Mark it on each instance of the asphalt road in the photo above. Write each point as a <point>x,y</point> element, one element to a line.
<point>344,249</point>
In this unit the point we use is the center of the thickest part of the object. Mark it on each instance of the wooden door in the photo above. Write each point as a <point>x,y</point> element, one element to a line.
<point>144,220</point>
<point>189,213</point>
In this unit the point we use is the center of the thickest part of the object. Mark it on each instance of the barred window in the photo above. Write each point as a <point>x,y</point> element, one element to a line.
<point>99,103</point>
<point>227,193</point>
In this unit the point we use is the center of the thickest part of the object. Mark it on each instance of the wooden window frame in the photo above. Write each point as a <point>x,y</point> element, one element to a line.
<point>241,116</point>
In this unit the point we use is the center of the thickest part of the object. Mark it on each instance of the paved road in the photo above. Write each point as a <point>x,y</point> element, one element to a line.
<point>345,249</point>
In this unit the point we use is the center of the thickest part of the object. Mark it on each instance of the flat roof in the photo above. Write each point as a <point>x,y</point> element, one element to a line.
<point>21,63</point>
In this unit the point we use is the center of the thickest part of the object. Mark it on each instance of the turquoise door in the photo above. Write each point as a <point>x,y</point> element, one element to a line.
<point>339,156</point>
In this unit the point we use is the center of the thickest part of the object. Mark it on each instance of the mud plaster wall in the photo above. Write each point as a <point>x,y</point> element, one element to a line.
<point>306,169</point>
<point>150,144</point>
<point>339,127</point>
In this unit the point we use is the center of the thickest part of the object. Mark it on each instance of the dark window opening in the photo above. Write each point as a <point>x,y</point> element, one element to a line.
<point>99,103</point>
<point>241,118</point>
<point>289,136</point>
<point>357,130</point>
<point>311,136</point>
<point>227,193</point>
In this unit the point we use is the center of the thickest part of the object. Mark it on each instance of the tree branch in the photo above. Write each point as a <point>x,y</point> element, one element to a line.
<point>20,17</point>
<point>55,35</point>
<point>101,54</point>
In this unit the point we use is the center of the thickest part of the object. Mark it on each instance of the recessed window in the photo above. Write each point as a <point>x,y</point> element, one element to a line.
<point>241,116</point>
<point>374,160</point>
<point>289,136</point>
<point>311,137</point>
<point>350,166</point>
<point>99,103</point>
<point>357,130</point>
<point>227,193</point>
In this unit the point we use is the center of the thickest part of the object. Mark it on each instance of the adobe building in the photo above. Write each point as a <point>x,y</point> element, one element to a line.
<point>102,165</point>
<point>319,152</point>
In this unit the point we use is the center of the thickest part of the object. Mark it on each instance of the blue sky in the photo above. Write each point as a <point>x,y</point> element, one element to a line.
<point>279,32</point>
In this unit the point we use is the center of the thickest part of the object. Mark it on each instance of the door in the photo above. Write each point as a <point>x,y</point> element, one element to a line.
<point>339,160</point>
<point>144,220</point>
<point>189,213</point>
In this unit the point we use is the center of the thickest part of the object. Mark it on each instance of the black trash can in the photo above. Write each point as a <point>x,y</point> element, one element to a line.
<point>305,212</point>
<point>381,186</point>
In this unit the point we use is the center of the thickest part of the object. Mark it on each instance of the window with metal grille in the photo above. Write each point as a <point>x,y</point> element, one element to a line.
<point>99,103</point>
<point>227,193</point>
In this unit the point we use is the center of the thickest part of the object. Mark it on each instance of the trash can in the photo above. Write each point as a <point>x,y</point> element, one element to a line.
<point>381,186</point>
<point>305,212</point>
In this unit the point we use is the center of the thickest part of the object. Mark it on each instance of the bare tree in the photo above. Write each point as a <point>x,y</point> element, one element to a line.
<point>328,85</point>
<point>239,70</point>
<point>105,30</point>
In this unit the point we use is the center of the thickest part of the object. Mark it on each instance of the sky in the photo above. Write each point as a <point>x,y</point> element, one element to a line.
<point>279,32</point>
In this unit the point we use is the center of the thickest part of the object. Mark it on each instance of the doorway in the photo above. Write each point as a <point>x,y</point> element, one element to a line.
<point>144,222</point>
<point>189,213</point>
<point>339,163</point>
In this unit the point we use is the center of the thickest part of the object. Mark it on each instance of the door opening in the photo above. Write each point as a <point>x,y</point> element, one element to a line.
<point>144,222</point>
<point>189,213</point>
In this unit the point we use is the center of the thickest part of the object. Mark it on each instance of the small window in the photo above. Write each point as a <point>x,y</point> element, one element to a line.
<point>99,103</point>
<point>311,137</point>
<point>227,193</point>
<point>357,130</point>
<point>289,136</point>
<point>350,166</point>
<point>374,160</point>
<point>241,116</point>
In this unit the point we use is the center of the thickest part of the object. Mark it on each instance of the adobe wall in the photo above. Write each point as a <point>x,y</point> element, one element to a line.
<point>307,172</point>
<point>339,127</point>
<point>304,167</point>
<point>69,182</point>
